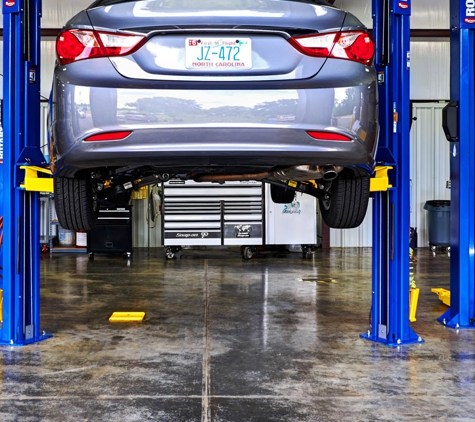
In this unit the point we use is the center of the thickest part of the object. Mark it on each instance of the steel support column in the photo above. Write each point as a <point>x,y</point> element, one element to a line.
<point>20,282</point>
<point>461,313</point>
<point>390,299</point>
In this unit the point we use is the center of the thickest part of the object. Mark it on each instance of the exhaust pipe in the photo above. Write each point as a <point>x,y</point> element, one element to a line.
<point>297,173</point>
<point>330,173</point>
<point>305,172</point>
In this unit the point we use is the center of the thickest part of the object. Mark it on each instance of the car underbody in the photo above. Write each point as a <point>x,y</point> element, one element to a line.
<point>343,189</point>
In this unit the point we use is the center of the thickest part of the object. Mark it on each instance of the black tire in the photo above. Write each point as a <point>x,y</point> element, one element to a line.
<point>281,195</point>
<point>349,201</point>
<point>74,203</point>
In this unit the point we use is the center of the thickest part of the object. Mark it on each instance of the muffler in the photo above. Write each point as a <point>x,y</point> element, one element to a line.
<point>301,173</point>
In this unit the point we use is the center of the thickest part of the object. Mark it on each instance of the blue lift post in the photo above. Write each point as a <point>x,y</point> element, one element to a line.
<point>461,313</point>
<point>390,294</point>
<point>20,282</point>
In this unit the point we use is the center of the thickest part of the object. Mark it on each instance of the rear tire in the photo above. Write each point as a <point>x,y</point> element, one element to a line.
<point>346,209</point>
<point>74,203</point>
<point>281,195</point>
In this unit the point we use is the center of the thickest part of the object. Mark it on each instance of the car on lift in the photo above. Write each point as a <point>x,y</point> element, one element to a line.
<point>282,91</point>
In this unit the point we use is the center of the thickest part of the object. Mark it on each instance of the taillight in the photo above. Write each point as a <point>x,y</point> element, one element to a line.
<point>108,136</point>
<point>352,45</point>
<point>328,136</point>
<point>79,44</point>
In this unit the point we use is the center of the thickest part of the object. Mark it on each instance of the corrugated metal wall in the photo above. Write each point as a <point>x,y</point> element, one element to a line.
<point>57,12</point>
<point>426,14</point>
<point>430,164</point>
<point>430,69</point>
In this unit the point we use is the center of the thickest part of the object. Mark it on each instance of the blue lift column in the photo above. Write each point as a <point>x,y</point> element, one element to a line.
<point>19,253</point>
<point>461,122</point>
<point>390,294</point>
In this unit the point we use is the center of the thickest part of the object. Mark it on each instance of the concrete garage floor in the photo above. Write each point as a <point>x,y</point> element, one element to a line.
<point>231,340</point>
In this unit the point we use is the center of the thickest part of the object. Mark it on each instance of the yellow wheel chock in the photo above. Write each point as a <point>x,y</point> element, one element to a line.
<point>127,317</point>
<point>444,295</point>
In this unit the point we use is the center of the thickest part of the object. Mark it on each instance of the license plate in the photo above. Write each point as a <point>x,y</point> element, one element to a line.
<point>218,53</point>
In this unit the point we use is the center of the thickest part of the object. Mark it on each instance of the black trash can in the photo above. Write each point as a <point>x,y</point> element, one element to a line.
<point>439,222</point>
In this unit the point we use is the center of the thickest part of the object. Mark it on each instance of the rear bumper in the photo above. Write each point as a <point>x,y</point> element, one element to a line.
<point>195,148</point>
<point>199,128</point>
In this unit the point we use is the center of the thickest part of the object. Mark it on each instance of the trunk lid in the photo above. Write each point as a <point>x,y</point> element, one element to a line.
<point>211,39</point>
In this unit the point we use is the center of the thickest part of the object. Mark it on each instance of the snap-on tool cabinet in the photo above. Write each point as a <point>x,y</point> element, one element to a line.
<point>233,213</point>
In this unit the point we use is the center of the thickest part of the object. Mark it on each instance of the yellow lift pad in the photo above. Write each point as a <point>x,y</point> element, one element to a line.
<point>444,295</point>
<point>380,181</point>
<point>34,183</point>
<point>127,317</point>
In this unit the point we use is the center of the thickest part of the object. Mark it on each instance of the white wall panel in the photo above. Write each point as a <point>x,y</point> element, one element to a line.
<point>57,12</point>
<point>430,14</point>
<point>430,164</point>
<point>426,14</point>
<point>362,9</point>
<point>430,70</point>
<point>48,60</point>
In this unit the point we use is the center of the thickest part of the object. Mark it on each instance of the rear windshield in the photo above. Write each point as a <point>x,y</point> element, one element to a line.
<point>195,4</point>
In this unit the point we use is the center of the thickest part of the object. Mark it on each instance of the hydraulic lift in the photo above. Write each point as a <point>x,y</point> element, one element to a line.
<point>19,252</point>
<point>459,125</point>
<point>390,299</point>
